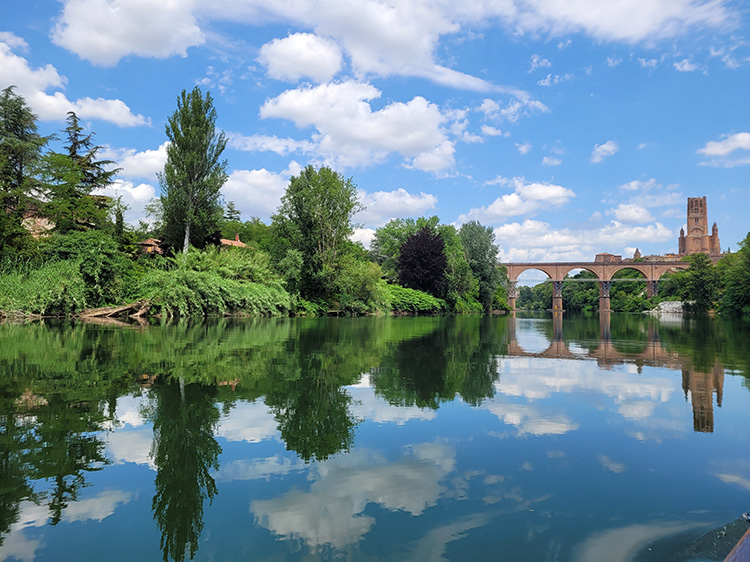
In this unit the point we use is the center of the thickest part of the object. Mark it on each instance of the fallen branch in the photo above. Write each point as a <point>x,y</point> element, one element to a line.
<point>140,308</point>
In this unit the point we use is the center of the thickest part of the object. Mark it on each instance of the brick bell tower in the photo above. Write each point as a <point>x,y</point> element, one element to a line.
<point>698,240</point>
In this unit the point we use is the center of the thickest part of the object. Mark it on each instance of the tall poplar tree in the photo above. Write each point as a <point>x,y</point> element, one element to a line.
<point>194,173</point>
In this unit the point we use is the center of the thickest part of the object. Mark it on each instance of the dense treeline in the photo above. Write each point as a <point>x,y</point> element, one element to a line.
<point>723,287</point>
<point>65,248</point>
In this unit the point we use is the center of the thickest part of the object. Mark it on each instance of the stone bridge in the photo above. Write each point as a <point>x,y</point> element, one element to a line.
<point>603,269</point>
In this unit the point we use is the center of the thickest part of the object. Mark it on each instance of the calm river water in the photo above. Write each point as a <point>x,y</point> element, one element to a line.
<point>614,438</point>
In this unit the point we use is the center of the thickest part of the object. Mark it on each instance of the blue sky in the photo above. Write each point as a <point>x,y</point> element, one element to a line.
<point>570,126</point>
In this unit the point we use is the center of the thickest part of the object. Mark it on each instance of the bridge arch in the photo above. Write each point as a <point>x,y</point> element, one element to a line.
<point>603,270</point>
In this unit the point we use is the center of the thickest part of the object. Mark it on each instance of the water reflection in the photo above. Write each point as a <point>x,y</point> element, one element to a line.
<point>194,402</point>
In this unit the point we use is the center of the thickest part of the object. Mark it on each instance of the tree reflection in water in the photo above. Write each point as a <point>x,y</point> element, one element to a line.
<point>184,452</point>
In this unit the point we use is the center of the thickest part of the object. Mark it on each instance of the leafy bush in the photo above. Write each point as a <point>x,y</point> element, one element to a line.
<point>100,261</point>
<point>54,289</point>
<point>185,292</point>
<point>403,299</point>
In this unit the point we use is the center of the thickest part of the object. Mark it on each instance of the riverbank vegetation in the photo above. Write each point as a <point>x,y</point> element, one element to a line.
<point>65,248</point>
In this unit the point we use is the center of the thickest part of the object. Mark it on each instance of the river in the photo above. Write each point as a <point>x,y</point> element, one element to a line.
<point>528,438</point>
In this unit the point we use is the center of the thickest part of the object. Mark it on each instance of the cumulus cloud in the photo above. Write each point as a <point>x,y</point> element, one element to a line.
<point>381,206</point>
<point>551,161</point>
<point>526,199</point>
<point>301,55</point>
<point>257,193</point>
<point>134,164</point>
<point>492,131</point>
<point>350,133</point>
<point>650,193</point>
<point>648,63</point>
<point>33,84</point>
<point>601,151</point>
<point>631,214</point>
<point>537,241</point>
<point>381,39</point>
<point>104,31</point>
<point>719,151</point>
<point>135,197</point>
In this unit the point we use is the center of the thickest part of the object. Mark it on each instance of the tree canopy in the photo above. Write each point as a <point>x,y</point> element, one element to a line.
<point>194,172</point>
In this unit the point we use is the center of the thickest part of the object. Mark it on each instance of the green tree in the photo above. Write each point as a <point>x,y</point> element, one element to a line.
<point>315,218</point>
<point>194,173</point>
<point>481,254</point>
<point>702,283</point>
<point>736,298</point>
<point>20,152</point>
<point>72,178</point>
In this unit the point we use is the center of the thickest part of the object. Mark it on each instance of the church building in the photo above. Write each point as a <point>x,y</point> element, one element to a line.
<point>698,240</point>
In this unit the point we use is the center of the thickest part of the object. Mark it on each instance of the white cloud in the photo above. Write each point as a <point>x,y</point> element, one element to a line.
<point>301,55</point>
<point>615,21</point>
<point>381,206</point>
<point>613,61</point>
<point>258,192</point>
<point>491,131</point>
<point>536,241</point>
<point>601,151</point>
<point>513,110</point>
<point>136,197</point>
<point>650,63</point>
<point>553,79</point>
<point>526,199</point>
<point>523,148</point>
<point>631,214</point>
<point>131,446</point>
<point>551,161</point>
<point>33,84</point>
<point>13,41</point>
<point>104,31</point>
<point>729,143</point>
<point>265,143</point>
<point>685,66</point>
<point>363,236</point>
<point>350,133</point>
<point>538,61</point>
<point>718,151</point>
<point>145,164</point>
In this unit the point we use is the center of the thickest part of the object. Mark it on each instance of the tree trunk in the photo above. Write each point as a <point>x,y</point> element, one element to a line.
<point>187,238</point>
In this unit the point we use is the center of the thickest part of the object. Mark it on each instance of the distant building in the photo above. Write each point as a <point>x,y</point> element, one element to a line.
<point>698,240</point>
<point>236,242</point>
<point>150,246</point>
<point>607,258</point>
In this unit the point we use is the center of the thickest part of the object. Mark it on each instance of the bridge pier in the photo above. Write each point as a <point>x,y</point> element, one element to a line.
<point>557,299</point>
<point>512,294</point>
<point>604,287</point>
<point>652,288</point>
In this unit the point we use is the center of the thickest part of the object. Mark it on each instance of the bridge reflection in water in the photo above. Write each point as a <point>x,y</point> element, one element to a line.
<point>698,386</point>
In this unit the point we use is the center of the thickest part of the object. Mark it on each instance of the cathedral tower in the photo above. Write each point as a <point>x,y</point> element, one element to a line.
<point>698,240</point>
